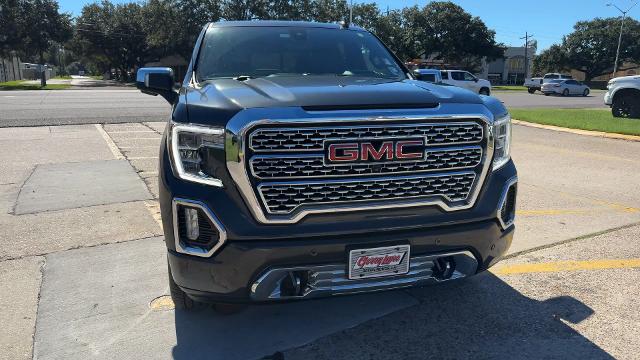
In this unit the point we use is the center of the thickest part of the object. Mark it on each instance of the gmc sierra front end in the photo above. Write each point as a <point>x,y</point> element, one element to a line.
<point>304,160</point>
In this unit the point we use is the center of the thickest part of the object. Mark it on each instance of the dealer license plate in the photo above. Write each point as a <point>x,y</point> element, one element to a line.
<point>378,262</point>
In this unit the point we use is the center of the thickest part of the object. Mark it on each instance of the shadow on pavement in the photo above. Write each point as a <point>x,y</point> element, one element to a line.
<point>481,317</point>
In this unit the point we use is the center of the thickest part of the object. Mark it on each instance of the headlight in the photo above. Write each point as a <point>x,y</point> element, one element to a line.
<point>190,148</point>
<point>501,141</point>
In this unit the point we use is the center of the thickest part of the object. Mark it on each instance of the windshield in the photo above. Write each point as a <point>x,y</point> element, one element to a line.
<point>293,51</point>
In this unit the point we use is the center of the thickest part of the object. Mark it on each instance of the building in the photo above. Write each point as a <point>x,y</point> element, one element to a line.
<point>511,68</point>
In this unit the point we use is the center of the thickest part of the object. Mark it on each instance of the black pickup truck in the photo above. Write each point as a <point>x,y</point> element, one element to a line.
<point>305,160</point>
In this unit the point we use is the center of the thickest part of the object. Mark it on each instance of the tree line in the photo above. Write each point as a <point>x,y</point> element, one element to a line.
<point>124,36</point>
<point>591,48</point>
<point>107,36</point>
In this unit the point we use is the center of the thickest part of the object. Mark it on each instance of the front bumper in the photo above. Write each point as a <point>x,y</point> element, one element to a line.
<point>228,276</point>
<point>252,249</point>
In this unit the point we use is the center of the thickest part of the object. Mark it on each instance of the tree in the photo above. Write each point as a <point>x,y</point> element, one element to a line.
<point>553,59</point>
<point>43,25</point>
<point>591,47</point>
<point>452,34</point>
<point>112,36</point>
<point>10,29</point>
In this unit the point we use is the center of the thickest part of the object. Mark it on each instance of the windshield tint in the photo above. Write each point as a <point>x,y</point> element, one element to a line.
<point>293,51</point>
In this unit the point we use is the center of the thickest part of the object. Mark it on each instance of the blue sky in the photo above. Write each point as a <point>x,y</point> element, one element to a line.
<point>547,20</point>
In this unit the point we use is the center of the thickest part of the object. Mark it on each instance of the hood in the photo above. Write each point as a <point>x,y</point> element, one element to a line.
<point>626,78</point>
<point>319,93</point>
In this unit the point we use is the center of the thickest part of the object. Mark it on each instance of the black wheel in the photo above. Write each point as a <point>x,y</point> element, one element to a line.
<point>585,92</point>
<point>485,91</point>
<point>565,92</point>
<point>626,106</point>
<point>531,90</point>
<point>546,94</point>
<point>180,299</point>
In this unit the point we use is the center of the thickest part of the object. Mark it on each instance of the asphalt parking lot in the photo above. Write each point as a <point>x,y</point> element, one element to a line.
<point>82,265</point>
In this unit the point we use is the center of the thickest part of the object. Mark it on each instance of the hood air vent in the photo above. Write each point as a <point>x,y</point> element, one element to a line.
<point>369,107</point>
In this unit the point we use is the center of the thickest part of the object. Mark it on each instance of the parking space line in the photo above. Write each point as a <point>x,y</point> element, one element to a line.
<point>551,212</point>
<point>569,265</point>
<point>112,145</point>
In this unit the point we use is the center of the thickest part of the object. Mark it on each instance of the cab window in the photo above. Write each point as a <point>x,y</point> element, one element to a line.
<point>469,77</point>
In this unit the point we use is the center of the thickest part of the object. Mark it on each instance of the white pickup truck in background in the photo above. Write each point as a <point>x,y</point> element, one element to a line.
<point>533,84</point>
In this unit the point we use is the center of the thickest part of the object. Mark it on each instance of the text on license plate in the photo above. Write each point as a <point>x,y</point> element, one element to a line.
<point>376,262</point>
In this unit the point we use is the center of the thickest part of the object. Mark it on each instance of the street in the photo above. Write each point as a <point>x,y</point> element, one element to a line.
<point>85,275</point>
<point>125,105</point>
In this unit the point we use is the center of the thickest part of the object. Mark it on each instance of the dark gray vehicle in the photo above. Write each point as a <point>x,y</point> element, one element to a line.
<point>304,160</point>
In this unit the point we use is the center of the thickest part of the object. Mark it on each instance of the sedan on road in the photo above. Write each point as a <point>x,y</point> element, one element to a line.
<point>565,87</point>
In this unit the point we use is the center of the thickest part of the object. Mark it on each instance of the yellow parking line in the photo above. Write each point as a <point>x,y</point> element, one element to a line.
<point>607,207</point>
<point>569,265</point>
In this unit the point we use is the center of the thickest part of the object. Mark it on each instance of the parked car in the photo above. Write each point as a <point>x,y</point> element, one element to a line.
<point>467,80</point>
<point>565,88</point>
<point>623,96</point>
<point>533,84</point>
<point>333,172</point>
<point>429,75</point>
<point>555,76</point>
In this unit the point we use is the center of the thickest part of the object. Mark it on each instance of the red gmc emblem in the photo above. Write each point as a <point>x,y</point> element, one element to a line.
<point>387,150</point>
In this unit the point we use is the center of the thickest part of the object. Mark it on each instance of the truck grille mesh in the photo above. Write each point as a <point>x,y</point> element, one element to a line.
<point>287,169</point>
<point>283,167</point>
<point>284,198</point>
<point>312,139</point>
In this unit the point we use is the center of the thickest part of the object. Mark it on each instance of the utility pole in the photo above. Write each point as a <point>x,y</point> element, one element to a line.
<point>624,15</point>
<point>526,53</point>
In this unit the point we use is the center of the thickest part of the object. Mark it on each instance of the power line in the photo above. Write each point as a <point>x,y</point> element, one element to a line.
<point>526,53</point>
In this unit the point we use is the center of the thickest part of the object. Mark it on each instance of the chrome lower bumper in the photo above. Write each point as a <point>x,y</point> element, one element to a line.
<point>326,280</point>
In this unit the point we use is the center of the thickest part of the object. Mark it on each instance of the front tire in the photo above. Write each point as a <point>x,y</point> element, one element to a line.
<point>626,106</point>
<point>585,93</point>
<point>531,90</point>
<point>485,91</point>
<point>180,299</point>
<point>565,92</point>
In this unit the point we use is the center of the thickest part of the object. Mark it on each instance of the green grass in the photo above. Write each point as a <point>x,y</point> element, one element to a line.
<point>584,119</point>
<point>509,88</point>
<point>20,85</point>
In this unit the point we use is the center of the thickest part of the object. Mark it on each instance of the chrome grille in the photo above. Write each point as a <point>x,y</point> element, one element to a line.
<point>286,197</point>
<point>284,173</point>
<point>312,165</point>
<point>312,138</point>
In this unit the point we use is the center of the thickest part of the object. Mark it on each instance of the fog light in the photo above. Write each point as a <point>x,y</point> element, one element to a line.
<point>191,223</point>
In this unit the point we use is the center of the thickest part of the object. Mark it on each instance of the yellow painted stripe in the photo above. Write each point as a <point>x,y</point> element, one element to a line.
<point>550,212</point>
<point>569,265</point>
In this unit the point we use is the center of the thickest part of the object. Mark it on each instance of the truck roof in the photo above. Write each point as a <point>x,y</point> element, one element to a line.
<point>279,23</point>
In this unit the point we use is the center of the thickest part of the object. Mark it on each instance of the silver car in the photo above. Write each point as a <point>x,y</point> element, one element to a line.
<point>565,87</point>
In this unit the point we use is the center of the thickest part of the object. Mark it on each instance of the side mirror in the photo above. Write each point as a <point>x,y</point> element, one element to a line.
<point>157,81</point>
<point>475,79</point>
<point>417,75</point>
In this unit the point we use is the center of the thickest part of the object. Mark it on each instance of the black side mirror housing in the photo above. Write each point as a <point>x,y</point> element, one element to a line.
<point>157,81</point>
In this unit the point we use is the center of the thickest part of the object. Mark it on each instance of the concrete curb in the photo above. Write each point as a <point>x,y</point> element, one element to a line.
<point>578,131</point>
